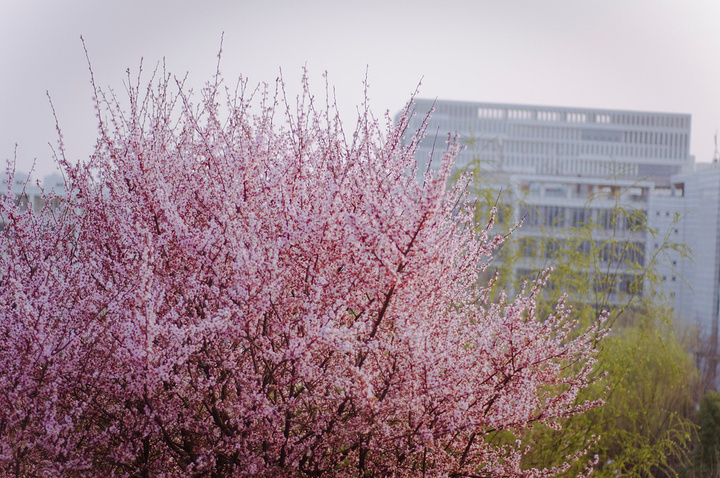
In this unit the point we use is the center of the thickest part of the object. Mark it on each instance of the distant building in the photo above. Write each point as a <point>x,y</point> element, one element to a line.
<point>29,194</point>
<point>555,141</point>
<point>560,167</point>
<point>700,230</point>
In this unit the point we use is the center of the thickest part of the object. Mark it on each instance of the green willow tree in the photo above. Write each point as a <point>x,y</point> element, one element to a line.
<point>707,451</point>
<point>646,426</point>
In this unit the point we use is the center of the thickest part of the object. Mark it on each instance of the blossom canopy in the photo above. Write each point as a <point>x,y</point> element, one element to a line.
<point>234,286</point>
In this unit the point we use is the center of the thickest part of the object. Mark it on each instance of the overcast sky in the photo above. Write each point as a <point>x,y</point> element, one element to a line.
<point>654,55</point>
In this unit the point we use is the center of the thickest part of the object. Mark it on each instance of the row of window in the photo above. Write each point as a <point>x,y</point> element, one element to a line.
<point>633,220</point>
<point>672,147</point>
<point>564,166</point>
<point>535,114</point>
<point>601,284</point>
<point>531,113</point>
<point>628,253</point>
<point>616,252</point>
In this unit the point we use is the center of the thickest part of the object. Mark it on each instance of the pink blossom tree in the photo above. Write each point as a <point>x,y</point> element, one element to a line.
<point>244,290</point>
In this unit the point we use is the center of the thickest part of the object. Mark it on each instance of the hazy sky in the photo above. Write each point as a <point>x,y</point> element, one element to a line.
<point>654,55</point>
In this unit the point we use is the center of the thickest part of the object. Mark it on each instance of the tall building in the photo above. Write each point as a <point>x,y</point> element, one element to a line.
<point>563,167</point>
<point>700,230</point>
<point>555,141</point>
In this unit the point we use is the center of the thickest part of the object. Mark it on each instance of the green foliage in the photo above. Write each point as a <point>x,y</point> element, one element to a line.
<point>707,453</point>
<point>644,428</point>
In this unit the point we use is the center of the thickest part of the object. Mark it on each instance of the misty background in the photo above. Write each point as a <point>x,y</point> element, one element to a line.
<point>645,55</point>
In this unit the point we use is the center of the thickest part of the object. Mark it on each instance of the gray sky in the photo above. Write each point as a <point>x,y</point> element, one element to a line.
<point>655,55</point>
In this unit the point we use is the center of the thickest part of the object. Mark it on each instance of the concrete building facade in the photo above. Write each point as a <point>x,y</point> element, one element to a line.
<point>560,167</point>
<point>557,141</point>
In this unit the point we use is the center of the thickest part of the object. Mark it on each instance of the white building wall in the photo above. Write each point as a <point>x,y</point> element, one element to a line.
<point>559,141</point>
<point>667,225</point>
<point>701,228</point>
<point>596,149</point>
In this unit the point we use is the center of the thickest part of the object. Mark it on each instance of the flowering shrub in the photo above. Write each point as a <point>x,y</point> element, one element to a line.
<point>239,291</point>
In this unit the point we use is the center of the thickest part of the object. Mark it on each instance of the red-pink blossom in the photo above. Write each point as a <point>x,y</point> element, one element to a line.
<point>237,287</point>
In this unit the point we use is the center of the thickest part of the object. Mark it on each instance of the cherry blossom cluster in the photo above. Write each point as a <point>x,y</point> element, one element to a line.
<point>235,287</point>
